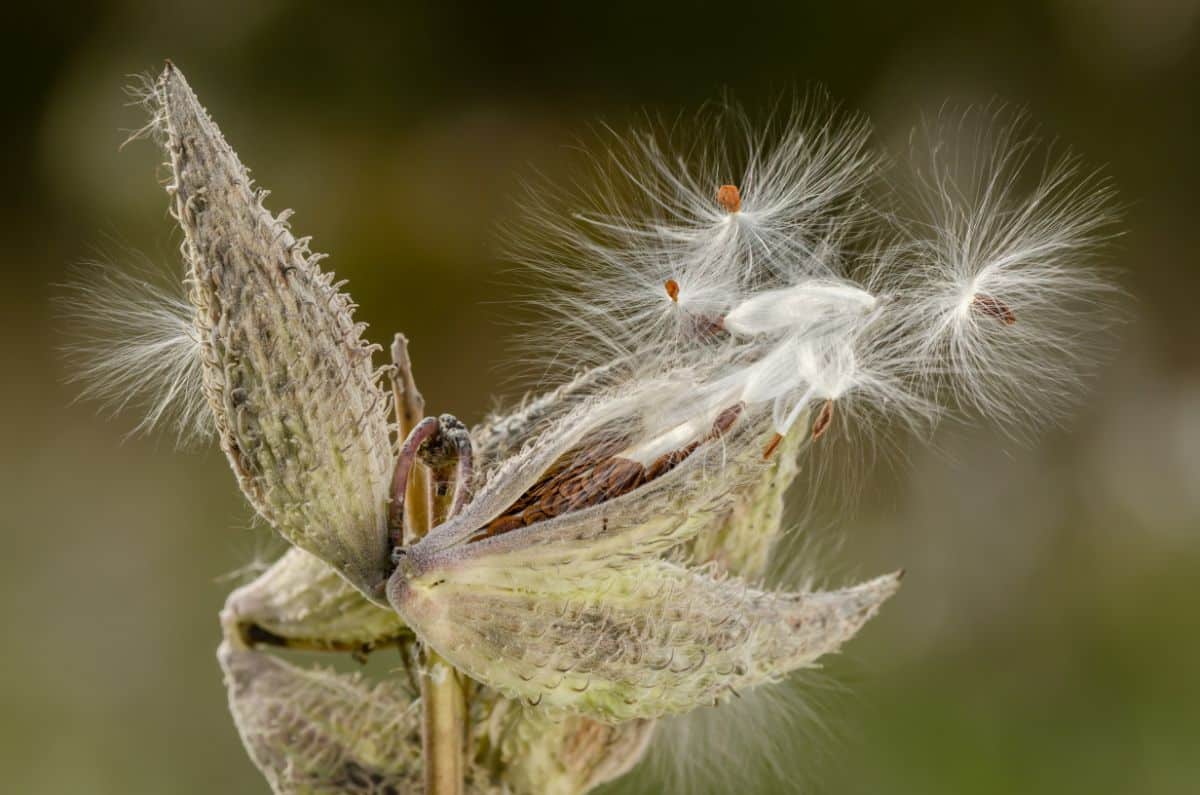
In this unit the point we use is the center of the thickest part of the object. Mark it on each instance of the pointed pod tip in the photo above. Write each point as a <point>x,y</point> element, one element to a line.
<point>177,97</point>
<point>864,599</point>
<point>885,585</point>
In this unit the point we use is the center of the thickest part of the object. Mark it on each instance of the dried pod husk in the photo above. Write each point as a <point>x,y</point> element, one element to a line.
<point>316,732</point>
<point>741,540</point>
<point>638,640</point>
<point>585,610</point>
<point>300,602</point>
<point>656,515</point>
<point>294,395</point>
<point>503,434</point>
<point>544,755</point>
<point>539,751</point>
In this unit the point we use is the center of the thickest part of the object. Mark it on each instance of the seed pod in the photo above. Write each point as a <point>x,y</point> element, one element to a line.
<point>314,731</point>
<point>740,542</point>
<point>542,755</point>
<point>287,374</point>
<point>636,640</point>
<point>502,435</point>
<point>302,603</point>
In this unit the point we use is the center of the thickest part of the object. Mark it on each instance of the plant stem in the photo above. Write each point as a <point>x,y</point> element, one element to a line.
<point>443,697</point>
<point>443,725</point>
<point>429,500</point>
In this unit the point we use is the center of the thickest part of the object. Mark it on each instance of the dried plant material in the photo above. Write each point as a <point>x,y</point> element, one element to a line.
<point>289,379</point>
<point>135,344</point>
<point>300,602</point>
<point>545,755</point>
<point>672,287</point>
<point>593,559</point>
<point>823,419</point>
<point>596,473</point>
<point>987,250</point>
<point>745,534</point>
<point>576,612</point>
<point>316,732</point>
<point>641,640</point>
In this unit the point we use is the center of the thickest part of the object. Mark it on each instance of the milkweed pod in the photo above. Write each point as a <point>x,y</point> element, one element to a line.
<point>302,603</point>
<point>318,732</point>
<point>544,755</point>
<point>635,639</point>
<point>295,399</point>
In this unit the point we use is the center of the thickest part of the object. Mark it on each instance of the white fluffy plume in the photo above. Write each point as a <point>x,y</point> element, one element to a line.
<point>757,273</point>
<point>727,295</point>
<point>999,304</point>
<point>647,213</point>
<point>134,343</point>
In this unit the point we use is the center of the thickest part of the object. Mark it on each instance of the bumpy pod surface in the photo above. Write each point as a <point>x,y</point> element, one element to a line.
<point>314,732</point>
<point>642,641</point>
<point>300,602</point>
<point>580,612</point>
<point>544,755</point>
<point>287,374</point>
<point>742,538</point>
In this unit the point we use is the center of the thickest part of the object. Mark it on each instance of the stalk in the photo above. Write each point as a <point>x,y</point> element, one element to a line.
<point>429,501</point>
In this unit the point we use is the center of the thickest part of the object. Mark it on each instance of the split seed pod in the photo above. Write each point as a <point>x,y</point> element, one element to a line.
<point>580,611</point>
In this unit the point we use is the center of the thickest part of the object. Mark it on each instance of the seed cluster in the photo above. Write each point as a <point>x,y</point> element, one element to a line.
<point>592,475</point>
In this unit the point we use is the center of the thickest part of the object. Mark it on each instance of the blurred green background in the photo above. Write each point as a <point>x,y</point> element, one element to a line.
<point>1046,639</point>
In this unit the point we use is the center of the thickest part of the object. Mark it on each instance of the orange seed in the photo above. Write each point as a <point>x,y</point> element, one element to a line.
<point>729,197</point>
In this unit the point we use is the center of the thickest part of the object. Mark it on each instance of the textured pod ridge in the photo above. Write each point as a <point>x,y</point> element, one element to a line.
<point>639,639</point>
<point>542,754</point>
<point>290,381</point>
<point>300,602</point>
<point>316,732</point>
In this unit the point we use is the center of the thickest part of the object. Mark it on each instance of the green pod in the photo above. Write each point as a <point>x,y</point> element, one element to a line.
<point>302,603</point>
<point>316,732</point>
<point>587,612</point>
<point>290,381</point>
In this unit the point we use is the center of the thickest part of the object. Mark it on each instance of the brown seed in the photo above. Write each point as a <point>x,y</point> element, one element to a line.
<point>591,475</point>
<point>672,289</point>
<point>772,445</point>
<point>533,514</point>
<point>730,198</point>
<point>624,476</point>
<point>823,419</point>
<point>726,419</point>
<point>503,524</point>
<point>994,307</point>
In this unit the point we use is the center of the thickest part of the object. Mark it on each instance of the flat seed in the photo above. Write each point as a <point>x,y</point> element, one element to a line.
<point>994,307</point>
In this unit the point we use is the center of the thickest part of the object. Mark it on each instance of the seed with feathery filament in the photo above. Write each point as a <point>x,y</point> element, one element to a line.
<point>672,288</point>
<point>730,198</point>
<point>823,419</point>
<point>994,307</point>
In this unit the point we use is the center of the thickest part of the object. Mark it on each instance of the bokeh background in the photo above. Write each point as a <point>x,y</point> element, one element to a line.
<point>1046,639</point>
